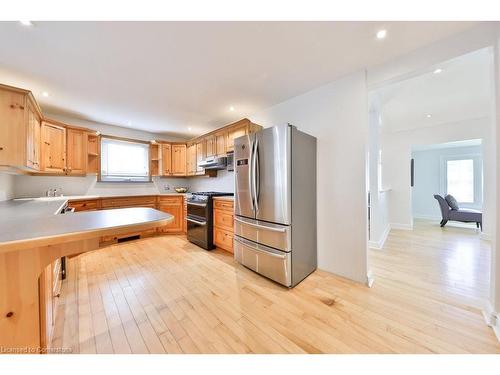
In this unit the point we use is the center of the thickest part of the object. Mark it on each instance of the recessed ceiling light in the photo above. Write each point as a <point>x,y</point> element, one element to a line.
<point>231,109</point>
<point>26,23</point>
<point>438,70</point>
<point>381,34</point>
<point>190,128</point>
<point>428,115</point>
<point>129,123</point>
<point>45,93</point>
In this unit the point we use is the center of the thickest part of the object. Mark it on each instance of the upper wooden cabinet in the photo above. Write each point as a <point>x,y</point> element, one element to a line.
<point>179,160</point>
<point>166,154</point>
<point>210,146</point>
<point>235,132</point>
<point>76,151</point>
<point>53,148</point>
<point>20,119</point>
<point>200,155</point>
<point>220,143</point>
<point>191,159</point>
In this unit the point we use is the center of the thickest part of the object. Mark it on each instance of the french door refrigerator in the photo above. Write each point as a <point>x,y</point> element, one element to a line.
<point>275,203</point>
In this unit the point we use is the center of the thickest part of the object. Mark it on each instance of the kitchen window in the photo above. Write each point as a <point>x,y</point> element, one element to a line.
<point>124,160</point>
<point>463,179</point>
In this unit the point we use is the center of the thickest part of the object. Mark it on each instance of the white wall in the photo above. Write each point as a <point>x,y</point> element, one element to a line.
<point>429,177</point>
<point>396,156</point>
<point>223,182</point>
<point>6,186</point>
<point>337,115</point>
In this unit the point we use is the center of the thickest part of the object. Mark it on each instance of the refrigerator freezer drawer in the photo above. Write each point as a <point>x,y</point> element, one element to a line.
<point>271,263</point>
<point>273,235</point>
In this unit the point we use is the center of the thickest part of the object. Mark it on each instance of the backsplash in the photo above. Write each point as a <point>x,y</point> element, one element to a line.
<point>36,186</point>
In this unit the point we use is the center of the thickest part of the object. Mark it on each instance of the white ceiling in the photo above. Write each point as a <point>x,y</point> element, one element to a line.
<point>439,146</point>
<point>167,76</point>
<point>462,91</point>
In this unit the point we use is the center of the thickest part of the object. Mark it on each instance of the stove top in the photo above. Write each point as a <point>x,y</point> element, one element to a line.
<point>211,193</point>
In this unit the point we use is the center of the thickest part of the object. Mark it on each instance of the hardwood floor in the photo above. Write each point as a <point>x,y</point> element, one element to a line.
<point>165,295</point>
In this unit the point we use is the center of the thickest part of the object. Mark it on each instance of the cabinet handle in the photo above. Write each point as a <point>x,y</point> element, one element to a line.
<point>9,314</point>
<point>1,148</point>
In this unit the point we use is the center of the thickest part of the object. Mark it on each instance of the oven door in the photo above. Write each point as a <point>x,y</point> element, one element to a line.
<point>197,231</point>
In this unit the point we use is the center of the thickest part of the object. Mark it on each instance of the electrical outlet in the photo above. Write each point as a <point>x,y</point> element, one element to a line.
<point>166,187</point>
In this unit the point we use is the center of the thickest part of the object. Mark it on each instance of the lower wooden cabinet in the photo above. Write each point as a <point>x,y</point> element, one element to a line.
<point>173,205</point>
<point>50,283</point>
<point>223,223</point>
<point>87,205</point>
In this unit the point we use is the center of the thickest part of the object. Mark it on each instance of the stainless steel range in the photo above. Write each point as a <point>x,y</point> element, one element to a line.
<point>200,227</point>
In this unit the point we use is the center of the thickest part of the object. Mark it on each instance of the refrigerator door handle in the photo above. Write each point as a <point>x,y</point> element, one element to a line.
<point>281,230</point>
<point>254,174</point>
<point>257,174</point>
<point>251,177</point>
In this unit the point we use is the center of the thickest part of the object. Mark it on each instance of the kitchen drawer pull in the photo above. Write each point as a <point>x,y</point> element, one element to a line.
<point>196,221</point>
<point>281,230</point>
<point>258,249</point>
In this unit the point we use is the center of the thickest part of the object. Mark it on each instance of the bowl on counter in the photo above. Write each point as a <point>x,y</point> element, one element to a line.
<point>181,189</point>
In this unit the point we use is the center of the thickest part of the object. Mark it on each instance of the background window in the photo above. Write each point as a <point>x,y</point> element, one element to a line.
<point>124,161</point>
<point>460,179</point>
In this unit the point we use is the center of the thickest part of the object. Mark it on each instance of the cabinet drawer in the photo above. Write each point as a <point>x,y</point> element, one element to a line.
<point>223,219</point>
<point>223,239</point>
<point>171,200</point>
<point>226,205</point>
<point>84,205</point>
<point>129,202</point>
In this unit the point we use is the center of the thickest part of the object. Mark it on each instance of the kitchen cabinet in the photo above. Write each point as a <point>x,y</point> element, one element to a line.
<point>178,160</point>
<point>166,153</point>
<point>50,282</point>
<point>155,159</point>
<point>233,133</point>
<point>93,147</point>
<point>53,148</point>
<point>223,223</point>
<point>33,139</point>
<point>76,151</point>
<point>191,159</point>
<point>20,119</point>
<point>220,143</point>
<point>86,205</point>
<point>173,205</point>
<point>200,156</point>
<point>210,146</point>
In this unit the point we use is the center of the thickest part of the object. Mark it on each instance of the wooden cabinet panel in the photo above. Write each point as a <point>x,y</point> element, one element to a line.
<point>93,147</point>
<point>89,205</point>
<point>76,143</point>
<point>223,239</point>
<point>220,144</point>
<point>191,159</point>
<point>174,206</point>
<point>124,202</point>
<point>223,223</point>
<point>49,290</point>
<point>235,133</point>
<point>200,156</point>
<point>223,219</point>
<point>53,148</point>
<point>12,133</point>
<point>33,139</point>
<point>166,154</point>
<point>178,160</point>
<point>210,147</point>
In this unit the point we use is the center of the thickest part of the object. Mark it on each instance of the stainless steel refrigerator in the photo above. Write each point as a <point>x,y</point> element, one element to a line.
<point>275,203</point>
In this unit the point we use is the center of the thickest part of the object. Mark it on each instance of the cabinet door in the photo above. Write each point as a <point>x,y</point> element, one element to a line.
<point>46,298</point>
<point>200,156</point>
<point>12,134</point>
<point>76,149</point>
<point>210,146</point>
<point>220,144</point>
<point>33,140</point>
<point>179,160</point>
<point>53,148</point>
<point>177,210</point>
<point>191,159</point>
<point>166,159</point>
<point>234,133</point>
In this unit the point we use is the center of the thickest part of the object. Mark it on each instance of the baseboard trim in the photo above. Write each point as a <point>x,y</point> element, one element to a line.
<point>492,319</point>
<point>379,245</point>
<point>427,217</point>
<point>401,226</point>
<point>485,236</point>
